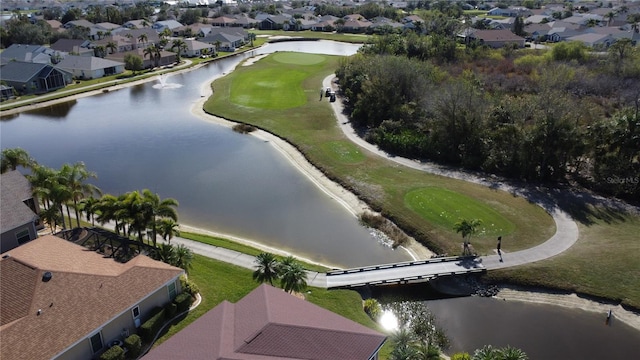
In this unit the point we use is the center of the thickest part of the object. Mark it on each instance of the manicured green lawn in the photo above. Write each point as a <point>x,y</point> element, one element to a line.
<point>383,184</point>
<point>445,208</point>
<point>603,262</point>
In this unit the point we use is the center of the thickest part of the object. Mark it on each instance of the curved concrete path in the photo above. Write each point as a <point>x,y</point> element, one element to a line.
<point>566,228</point>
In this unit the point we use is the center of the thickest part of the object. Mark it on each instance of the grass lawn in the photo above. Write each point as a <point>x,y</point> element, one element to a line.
<point>603,262</point>
<point>220,281</point>
<point>383,184</point>
<point>344,37</point>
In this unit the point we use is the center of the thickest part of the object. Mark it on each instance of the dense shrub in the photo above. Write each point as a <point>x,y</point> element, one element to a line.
<point>243,128</point>
<point>114,353</point>
<point>170,310</point>
<point>372,308</point>
<point>188,286</point>
<point>150,328</point>
<point>134,344</point>
<point>183,301</point>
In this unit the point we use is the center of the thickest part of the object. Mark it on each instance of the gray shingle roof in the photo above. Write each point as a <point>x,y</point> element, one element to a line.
<point>89,63</point>
<point>21,71</point>
<point>14,189</point>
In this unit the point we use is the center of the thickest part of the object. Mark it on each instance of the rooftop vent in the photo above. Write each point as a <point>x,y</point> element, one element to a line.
<point>6,256</point>
<point>47,276</point>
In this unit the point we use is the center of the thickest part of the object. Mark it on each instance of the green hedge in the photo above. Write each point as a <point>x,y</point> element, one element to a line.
<point>170,310</point>
<point>114,353</point>
<point>183,301</point>
<point>134,344</point>
<point>150,328</point>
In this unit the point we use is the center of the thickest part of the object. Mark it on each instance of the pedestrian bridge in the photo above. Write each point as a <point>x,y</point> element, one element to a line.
<point>404,272</point>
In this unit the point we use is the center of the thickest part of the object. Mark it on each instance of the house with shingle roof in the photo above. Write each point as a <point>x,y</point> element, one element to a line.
<point>78,23</point>
<point>18,211</point>
<point>26,53</point>
<point>33,78</point>
<point>270,324</point>
<point>496,38</point>
<point>61,301</point>
<point>196,48</point>
<point>90,67</point>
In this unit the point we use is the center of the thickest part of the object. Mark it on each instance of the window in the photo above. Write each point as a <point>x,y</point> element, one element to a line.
<point>96,342</point>
<point>23,236</point>
<point>135,312</point>
<point>172,290</point>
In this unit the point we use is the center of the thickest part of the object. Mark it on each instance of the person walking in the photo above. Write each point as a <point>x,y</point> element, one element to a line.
<point>498,247</point>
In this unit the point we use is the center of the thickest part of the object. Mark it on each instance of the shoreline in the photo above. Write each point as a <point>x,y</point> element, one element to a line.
<point>352,204</point>
<point>569,300</point>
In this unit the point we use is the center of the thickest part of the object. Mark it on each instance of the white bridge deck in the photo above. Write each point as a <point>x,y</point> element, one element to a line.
<point>404,272</point>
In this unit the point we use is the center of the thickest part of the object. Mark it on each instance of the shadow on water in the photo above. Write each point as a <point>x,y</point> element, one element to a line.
<point>54,112</point>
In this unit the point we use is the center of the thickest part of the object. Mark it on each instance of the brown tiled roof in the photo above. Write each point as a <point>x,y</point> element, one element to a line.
<point>497,35</point>
<point>270,324</point>
<point>14,189</point>
<point>86,291</point>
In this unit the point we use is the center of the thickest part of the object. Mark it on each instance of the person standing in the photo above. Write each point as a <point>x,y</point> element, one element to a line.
<point>498,247</point>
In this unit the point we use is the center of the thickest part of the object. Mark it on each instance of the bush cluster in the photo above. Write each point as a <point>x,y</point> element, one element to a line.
<point>134,344</point>
<point>113,353</point>
<point>150,328</point>
<point>379,222</point>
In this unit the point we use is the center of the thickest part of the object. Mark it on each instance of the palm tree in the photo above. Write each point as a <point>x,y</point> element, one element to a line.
<point>143,38</point>
<point>90,206</point>
<point>75,177</point>
<point>108,209</point>
<point>168,229</point>
<point>512,353</point>
<point>252,38</point>
<point>293,276</point>
<point>266,268</point>
<point>165,253</point>
<point>52,217</point>
<point>183,257</point>
<point>403,349</point>
<point>486,352</point>
<point>151,52</point>
<point>467,228</point>
<point>634,19</point>
<point>12,158</point>
<point>180,45</point>
<point>99,51</point>
<point>217,45</point>
<point>155,208</point>
<point>111,45</point>
<point>609,16</point>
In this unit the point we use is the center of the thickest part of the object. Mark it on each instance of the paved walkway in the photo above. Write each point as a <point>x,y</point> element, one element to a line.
<point>566,228</point>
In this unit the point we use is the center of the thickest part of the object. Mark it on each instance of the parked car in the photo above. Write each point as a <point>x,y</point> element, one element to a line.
<point>327,92</point>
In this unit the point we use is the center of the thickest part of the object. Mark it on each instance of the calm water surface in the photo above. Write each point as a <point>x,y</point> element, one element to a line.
<point>145,137</point>
<point>544,332</point>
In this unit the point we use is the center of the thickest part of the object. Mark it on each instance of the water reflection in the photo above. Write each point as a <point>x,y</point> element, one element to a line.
<point>141,137</point>
<point>55,112</point>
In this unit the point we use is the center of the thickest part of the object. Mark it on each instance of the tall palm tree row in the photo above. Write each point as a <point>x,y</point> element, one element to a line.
<point>290,272</point>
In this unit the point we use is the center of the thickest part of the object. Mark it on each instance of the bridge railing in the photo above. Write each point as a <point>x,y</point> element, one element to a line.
<point>400,264</point>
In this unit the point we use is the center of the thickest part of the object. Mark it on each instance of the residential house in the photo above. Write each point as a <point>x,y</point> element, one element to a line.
<point>593,40</point>
<point>19,211</point>
<point>537,19</point>
<point>496,38</point>
<point>33,78</point>
<point>99,30</point>
<point>56,25</point>
<point>26,53</point>
<point>136,24</point>
<point>224,41</point>
<point>274,22</point>
<point>61,301</point>
<point>90,67</point>
<point>6,93</point>
<point>355,23</point>
<point>297,24</point>
<point>73,46</point>
<point>325,23</point>
<point>78,23</point>
<point>269,323</point>
<point>159,26</point>
<point>223,21</point>
<point>244,21</point>
<point>166,57</point>
<point>511,11</point>
<point>195,48</point>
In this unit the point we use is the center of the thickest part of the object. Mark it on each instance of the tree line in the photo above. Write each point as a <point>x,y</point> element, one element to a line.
<point>548,116</point>
<point>134,213</point>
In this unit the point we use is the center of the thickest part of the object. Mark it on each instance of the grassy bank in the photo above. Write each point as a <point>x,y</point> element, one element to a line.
<point>602,263</point>
<point>309,124</point>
